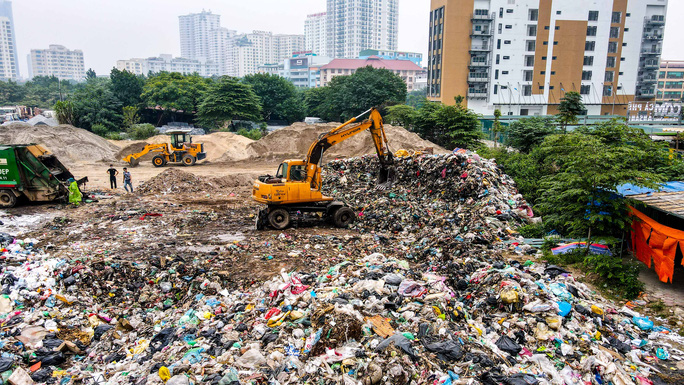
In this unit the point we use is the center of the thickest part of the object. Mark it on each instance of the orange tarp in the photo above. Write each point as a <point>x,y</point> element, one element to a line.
<point>654,242</point>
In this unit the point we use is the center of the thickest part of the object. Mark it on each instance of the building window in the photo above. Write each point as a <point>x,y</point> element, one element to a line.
<point>528,75</point>
<point>497,58</point>
<point>481,12</point>
<point>588,61</point>
<point>498,44</point>
<point>543,57</point>
<point>509,11</point>
<point>500,12</point>
<point>612,47</point>
<point>496,89</point>
<point>675,85</point>
<point>558,12</point>
<point>616,18</point>
<point>507,42</point>
<point>607,90</point>
<point>593,15</point>
<point>531,30</point>
<point>496,74</point>
<point>586,75</point>
<point>529,61</point>
<point>508,26</point>
<point>533,15</point>
<point>614,32</point>
<point>531,44</point>
<point>546,43</point>
<point>500,27</point>
<point>585,89</point>
<point>589,45</point>
<point>541,88</point>
<point>527,90</point>
<point>610,75</point>
<point>610,62</point>
<point>591,30</point>
<point>506,57</point>
<point>675,75</point>
<point>504,72</point>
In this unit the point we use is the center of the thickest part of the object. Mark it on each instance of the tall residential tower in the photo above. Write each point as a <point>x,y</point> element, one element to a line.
<point>57,61</point>
<point>315,33</point>
<point>9,61</point>
<point>356,25</point>
<point>522,56</point>
<point>195,34</point>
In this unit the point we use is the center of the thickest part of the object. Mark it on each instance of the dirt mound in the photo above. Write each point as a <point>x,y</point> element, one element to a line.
<point>174,181</point>
<point>219,146</point>
<point>296,139</point>
<point>69,143</point>
<point>234,181</point>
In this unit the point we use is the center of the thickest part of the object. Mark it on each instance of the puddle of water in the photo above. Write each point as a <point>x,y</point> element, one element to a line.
<point>18,225</point>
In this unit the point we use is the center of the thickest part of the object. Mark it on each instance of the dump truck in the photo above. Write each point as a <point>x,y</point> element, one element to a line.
<point>30,171</point>
<point>181,150</point>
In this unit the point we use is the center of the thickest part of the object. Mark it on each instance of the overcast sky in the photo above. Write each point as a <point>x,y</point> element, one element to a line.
<point>108,30</point>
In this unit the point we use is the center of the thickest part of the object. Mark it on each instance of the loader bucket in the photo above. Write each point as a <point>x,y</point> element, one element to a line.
<point>133,162</point>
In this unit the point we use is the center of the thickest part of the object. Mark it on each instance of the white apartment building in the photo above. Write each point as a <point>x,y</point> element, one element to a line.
<point>222,49</point>
<point>57,61</point>
<point>167,63</point>
<point>356,25</point>
<point>315,32</point>
<point>258,48</point>
<point>522,56</point>
<point>195,34</point>
<point>9,61</point>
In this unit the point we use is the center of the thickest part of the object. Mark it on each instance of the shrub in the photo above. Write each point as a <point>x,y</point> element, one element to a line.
<point>254,134</point>
<point>142,131</point>
<point>100,129</point>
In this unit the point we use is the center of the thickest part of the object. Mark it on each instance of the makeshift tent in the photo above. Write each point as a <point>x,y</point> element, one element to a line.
<point>594,248</point>
<point>656,244</point>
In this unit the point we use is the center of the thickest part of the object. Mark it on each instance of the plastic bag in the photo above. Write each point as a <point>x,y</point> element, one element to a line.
<point>643,323</point>
<point>400,341</point>
<point>411,289</point>
<point>449,350</point>
<point>506,344</point>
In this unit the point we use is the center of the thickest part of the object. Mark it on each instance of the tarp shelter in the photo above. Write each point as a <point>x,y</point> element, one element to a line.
<point>594,248</point>
<point>658,228</point>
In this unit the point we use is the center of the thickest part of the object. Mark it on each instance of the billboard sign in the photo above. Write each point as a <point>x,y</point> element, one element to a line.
<point>299,62</point>
<point>655,112</point>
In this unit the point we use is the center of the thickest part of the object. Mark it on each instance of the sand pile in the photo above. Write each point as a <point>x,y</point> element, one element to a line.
<point>296,139</point>
<point>219,146</point>
<point>69,143</point>
<point>174,181</point>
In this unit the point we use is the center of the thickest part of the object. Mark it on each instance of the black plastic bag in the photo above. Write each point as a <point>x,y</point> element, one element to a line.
<point>553,271</point>
<point>400,341</point>
<point>43,375</point>
<point>52,343</point>
<point>100,330</point>
<point>521,379</point>
<point>163,338</point>
<point>6,363</point>
<point>509,346</point>
<point>448,350</point>
<point>268,338</point>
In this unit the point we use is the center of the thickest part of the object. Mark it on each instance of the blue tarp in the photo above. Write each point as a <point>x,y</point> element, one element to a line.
<point>630,189</point>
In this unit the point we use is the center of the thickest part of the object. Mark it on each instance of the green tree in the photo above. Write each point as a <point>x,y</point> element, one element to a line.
<point>65,112</point>
<point>448,126</point>
<point>142,131</point>
<point>227,100</point>
<point>175,92</point>
<point>279,97</point>
<point>317,102</point>
<point>528,133</point>
<point>349,96</point>
<point>127,87</point>
<point>417,98</point>
<point>96,104</point>
<point>130,116</point>
<point>90,74</point>
<point>401,115</point>
<point>496,128</point>
<point>569,108</point>
<point>578,197</point>
<point>11,92</point>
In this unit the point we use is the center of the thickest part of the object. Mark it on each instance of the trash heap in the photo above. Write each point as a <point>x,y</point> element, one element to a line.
<point>430,302</point>
<point>438,203</point>
<point>173,181</point>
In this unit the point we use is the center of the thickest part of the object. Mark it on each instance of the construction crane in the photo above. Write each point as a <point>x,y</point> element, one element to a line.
<point>296,187</point>
<point>180,150</point>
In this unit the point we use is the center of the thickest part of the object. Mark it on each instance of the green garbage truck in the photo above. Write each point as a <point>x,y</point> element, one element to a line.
<point>31,172</point>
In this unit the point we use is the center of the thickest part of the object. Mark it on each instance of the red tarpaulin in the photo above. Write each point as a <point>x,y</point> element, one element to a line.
<point>656,244</point>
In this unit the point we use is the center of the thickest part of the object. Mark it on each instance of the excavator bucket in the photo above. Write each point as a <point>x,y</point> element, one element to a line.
<point>386,177</point>
<point>133,162</point>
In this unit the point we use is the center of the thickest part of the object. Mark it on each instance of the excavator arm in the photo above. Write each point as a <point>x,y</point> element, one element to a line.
<point>345,131</point>
<point>132,159</point>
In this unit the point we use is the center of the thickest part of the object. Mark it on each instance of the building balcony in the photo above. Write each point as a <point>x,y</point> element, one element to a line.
<point>654,20</point>
<point>652,37</point>
<point>649,51</point>
<point>648,80</point>
<point>651,65</point>
<point>477,94</point>
<point>480,48</point>
<point>478,64</point>
<point>485,33</point>
<point>488,17</point>
<point>478,79</point>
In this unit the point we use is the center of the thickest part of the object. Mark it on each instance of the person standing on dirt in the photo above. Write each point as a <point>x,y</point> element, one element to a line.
<point>127,180</point>
<point>112,176</point>
<point>75,196</point>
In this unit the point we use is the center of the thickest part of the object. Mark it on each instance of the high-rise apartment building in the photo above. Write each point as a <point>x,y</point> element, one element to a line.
<point>57,61</point>
<point>522,56</point>
<point>9,61</point>
<point>195,34</point>
<point>356,25</point>
<point>670,81</point>
<point>315,32</point>
<point>261,47</point>
<point>222,48</point>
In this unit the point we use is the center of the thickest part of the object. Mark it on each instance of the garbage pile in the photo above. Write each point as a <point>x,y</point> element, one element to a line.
<point>173,181</point>
<point>373,320</point>
<point>438,203</point>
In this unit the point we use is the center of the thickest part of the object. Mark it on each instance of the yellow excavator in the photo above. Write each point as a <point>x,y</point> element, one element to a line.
<point>181,150</point>
<point>296,187</point>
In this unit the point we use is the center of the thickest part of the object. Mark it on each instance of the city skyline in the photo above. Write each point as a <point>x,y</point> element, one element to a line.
<point>114,32</point>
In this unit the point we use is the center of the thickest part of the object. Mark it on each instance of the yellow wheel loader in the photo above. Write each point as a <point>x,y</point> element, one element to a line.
<point>296,187</point>
<point>180,150</point>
